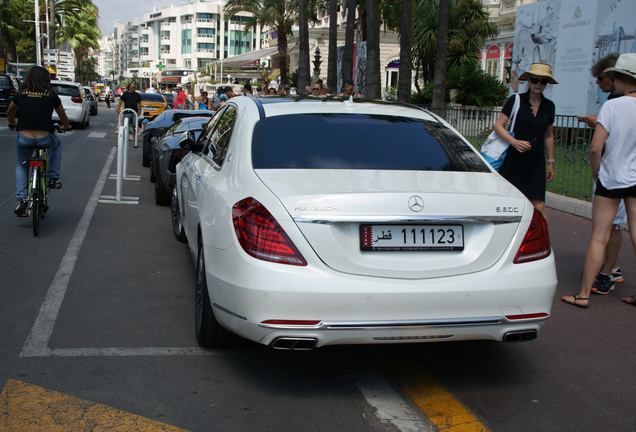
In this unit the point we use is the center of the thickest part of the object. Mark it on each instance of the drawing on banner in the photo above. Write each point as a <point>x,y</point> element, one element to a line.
<point>535,38</point>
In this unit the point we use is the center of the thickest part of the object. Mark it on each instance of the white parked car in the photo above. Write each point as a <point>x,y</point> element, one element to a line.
<point>74,102</point>
<point>317,222</point>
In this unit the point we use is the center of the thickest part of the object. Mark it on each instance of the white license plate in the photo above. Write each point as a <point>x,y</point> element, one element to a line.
<point>411,237</point>
<point>150,108</point>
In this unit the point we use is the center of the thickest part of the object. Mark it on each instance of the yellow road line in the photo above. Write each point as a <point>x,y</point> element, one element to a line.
<point>29,408</point>
<point>438,405</point>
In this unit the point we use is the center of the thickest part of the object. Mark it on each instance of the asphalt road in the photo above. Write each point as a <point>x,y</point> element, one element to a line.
<point>99,308</point>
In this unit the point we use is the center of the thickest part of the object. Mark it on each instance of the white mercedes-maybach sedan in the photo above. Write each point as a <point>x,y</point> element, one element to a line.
<point>315,222</point>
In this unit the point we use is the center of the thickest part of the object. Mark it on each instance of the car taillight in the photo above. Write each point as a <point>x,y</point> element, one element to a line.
<point>14,92</point>
<point>536,243</point>
<point>261,236</point>
<point>76,99</point>
<point>175,158</point>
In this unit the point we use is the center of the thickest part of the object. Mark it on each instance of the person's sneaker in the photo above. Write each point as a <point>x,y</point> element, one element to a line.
<point>617,275</point>
<point>21,208</point>
<point>603,284</point>
<point>55,184</point>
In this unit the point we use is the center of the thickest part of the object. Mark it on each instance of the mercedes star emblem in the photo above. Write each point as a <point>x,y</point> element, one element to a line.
<point>416,203</point>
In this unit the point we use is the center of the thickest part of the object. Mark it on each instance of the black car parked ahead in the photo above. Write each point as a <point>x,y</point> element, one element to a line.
<point>8,88</point>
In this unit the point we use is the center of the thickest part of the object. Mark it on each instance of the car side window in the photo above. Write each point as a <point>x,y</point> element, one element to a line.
<point>221,136</point>
<point>206,135</point>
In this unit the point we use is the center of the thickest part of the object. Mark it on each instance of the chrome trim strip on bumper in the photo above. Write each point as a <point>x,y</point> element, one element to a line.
<point>410,219</point>
<point>392,325</point>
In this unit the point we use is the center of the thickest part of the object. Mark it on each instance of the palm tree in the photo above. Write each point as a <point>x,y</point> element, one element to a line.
<point>332,63</point>
<point>277,14</point>
<point>14,17</point>
<point>373,87</point>
<point>81,34</point>
<point>304,75</point>
<point>468,28</point>
<point>347,61</point>
<point>404,73</point>
<point>439,79</point>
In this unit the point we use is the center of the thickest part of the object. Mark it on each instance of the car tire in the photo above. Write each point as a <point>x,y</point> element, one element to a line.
<point>145,157</point>
<point>152,169</point>
<point>162,197</point>
<point>209,332</point>
<point>177,221</point>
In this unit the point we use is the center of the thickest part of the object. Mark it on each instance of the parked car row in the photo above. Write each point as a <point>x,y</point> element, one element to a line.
<point>314,222</point>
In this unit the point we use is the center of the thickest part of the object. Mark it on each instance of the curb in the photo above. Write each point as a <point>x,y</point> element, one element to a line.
<point>566,204</point>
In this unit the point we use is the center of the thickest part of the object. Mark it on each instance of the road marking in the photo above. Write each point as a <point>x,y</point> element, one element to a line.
<point>391,407</point>
<point>30,408</point>
<point>97,135</point>
<point>438,405</point>
<point>38,340</point>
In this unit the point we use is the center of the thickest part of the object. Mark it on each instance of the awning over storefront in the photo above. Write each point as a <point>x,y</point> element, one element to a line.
<point>247,58</point>
<point>492,53</point>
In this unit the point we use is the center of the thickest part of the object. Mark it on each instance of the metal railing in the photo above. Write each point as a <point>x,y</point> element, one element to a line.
<point>573,175</point>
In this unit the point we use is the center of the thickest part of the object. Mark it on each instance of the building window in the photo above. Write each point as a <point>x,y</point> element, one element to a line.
<point>186,41</point>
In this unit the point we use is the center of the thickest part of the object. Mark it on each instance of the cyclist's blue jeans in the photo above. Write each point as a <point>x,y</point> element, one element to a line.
<point>25,147</point>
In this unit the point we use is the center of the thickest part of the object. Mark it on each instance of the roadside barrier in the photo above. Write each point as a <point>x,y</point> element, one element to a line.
<point>122,161</point>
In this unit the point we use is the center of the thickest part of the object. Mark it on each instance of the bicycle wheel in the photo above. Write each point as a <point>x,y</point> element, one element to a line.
<point>36,196</point>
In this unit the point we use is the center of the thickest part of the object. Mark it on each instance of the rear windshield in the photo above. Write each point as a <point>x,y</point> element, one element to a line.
<point>152,97</point>
<point>66,90</point>
<point>360,141</point>
<point>5,81</point>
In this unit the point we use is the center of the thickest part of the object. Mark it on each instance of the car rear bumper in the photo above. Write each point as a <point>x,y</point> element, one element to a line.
<point>349,309</point>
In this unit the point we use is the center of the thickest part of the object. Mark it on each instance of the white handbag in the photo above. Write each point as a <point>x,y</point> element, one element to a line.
<point>494,149</point>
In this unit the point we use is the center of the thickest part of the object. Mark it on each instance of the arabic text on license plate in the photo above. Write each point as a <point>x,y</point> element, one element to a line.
<point>411,237</point>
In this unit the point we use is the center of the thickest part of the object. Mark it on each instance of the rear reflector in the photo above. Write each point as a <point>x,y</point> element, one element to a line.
<point>36,163</point>
<point>526,316</point>
<point>294,323</point>
<point>261,236</point>
<point>536,243</point>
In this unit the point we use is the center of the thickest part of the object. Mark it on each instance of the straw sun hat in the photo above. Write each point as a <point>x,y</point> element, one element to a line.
<point>539,69</point>
<point>626,64</point>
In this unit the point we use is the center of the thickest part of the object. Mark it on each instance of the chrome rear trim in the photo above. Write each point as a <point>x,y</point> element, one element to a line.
<point>411,219</point>
<point>393,325</point>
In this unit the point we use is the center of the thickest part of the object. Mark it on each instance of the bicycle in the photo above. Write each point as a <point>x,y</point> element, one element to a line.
<point>38,185</point>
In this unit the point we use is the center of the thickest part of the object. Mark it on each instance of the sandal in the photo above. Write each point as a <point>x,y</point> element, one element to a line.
<point>633,302</point>
<point>577,298</point>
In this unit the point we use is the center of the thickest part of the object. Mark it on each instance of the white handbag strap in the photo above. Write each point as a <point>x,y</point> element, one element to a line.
<point>515,110</point>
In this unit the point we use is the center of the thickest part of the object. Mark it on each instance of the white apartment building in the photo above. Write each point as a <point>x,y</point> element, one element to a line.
<point>190,36</point>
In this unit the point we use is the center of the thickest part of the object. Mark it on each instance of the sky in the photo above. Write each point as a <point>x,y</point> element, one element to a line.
<point>125,11</point>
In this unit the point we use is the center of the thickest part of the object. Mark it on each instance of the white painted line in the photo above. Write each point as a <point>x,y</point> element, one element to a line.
<point>132,352</point>
<point>37,341</point>
<point>97,135</point>
<point>391,406</point>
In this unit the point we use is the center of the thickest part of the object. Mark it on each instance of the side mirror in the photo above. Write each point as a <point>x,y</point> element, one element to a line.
<point>187,141</point>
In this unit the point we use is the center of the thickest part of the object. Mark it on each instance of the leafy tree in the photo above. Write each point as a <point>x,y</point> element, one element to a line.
<point>280,15</point>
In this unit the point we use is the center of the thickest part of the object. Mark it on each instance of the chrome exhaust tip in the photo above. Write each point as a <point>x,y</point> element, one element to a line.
<point>520,336</point>
<point>294,344</point>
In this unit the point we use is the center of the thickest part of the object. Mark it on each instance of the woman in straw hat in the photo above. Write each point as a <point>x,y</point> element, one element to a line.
<point>613,162</point>
<point>524,165</point>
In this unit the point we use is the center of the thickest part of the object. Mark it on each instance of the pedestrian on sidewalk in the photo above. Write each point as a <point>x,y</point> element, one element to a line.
<point>611,272</point>
<point>613,163</point>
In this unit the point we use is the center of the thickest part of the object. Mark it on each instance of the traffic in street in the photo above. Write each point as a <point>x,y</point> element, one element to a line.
<point>97,327</point>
